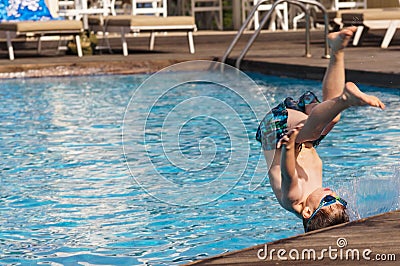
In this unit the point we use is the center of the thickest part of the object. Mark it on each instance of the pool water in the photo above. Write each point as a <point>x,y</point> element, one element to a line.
<point>68,197</point>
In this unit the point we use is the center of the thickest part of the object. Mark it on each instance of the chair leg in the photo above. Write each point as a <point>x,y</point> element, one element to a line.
<point>39,45</point>
<point>9,46</point>
<point>296,19</point>
<point>285,19</point>
<point>191,42</point>
<point>60,39</point>
<point>390,33</point>
<point>221,17</point>
<point>152,40</point>
<point>256,20</point>
<point>272,23</point>
<point>280,19</point>
<point>244,7</point>
<point>358,34</point>
<point>124,43</point>
<point>105,38</point>
<point>78,45</point>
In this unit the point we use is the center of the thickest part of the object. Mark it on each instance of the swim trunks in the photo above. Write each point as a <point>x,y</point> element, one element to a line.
<point>274,125</point>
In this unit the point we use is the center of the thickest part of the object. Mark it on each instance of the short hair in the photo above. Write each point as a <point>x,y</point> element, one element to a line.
<point>327,216</point>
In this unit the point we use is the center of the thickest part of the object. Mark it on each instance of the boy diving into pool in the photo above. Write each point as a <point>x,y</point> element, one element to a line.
<point>292,130</point>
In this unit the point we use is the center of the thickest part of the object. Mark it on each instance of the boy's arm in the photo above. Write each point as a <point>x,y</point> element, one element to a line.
<point>290,181</point>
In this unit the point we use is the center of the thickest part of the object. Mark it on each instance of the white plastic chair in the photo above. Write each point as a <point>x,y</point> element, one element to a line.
<point>149,7</point>
<point>335,5</point>
<point>213,6</point>
<point>42,29</point>
<point>280,15</point>
<point>66,4</point>
<point>81,10</point>
<point>379,15</point>
<point>349,4</point>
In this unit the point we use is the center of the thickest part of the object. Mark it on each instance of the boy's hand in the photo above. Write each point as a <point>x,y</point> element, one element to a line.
<point>289,140</point>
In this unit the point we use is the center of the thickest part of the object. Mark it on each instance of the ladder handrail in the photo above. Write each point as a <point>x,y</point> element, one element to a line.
<point>301,4</point>
<point>326,23</point>
<point>241,30</point>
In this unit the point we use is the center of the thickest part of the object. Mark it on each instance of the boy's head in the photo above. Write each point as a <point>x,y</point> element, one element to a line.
<point>323,208</point>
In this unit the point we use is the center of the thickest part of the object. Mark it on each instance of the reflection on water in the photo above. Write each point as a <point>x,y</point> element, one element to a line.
<point>67,196</point>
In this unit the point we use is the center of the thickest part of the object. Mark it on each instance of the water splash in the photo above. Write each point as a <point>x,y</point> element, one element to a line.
<point>373,191</point>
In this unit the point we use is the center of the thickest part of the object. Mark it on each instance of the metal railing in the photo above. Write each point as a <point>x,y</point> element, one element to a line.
<point>300,3</point>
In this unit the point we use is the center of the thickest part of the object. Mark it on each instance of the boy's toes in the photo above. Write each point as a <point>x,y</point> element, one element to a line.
<point>339,40</point>
<point>379,104</point>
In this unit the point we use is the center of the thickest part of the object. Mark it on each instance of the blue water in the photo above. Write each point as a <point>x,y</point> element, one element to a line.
<point>68,197</point>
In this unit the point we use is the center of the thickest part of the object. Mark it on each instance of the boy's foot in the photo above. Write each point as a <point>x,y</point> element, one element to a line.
<point>339,40</point>
<point>354,97</point>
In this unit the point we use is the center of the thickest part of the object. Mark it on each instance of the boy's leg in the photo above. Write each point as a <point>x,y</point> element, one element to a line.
<point>323,114</point>
<point>334,79</point>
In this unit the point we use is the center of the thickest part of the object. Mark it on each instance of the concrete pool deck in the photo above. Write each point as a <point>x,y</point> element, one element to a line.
<point>277,53</point>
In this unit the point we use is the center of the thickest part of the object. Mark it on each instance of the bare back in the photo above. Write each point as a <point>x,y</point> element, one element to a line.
<point>309,169</point>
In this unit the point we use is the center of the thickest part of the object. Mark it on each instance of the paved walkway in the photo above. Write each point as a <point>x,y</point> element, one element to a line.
<point>280,53</point>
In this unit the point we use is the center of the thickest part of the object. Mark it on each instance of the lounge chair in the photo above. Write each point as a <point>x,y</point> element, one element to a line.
<point>379,15</point>
<point>39,29</point>
<point>127,23</point>
<point>37,24</point>
<point>379,18</point>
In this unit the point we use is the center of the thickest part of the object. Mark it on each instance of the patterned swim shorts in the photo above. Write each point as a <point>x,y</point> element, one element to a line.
<point>274,125</point>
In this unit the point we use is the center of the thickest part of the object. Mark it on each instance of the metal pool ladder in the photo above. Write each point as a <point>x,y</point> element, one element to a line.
<point>302,4</point>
